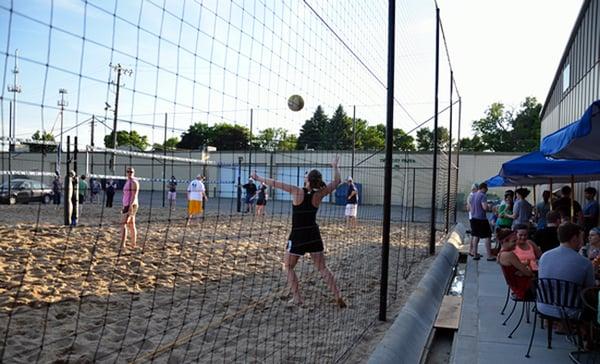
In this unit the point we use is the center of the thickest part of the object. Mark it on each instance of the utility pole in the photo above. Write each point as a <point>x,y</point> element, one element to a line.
<point>353,139</point>
<point>92,143</point>
<point>15,88</point>
<point>165,163</point>
<point>62,103</point>
<point>250,153</point>
<point>120,70</point>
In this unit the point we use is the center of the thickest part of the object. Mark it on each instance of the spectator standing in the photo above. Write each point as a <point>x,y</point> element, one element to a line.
<point>563,206</point>
<point>251,189</point>
<point>542,209</point>
<point>351,203</point>
<point>172,194</point>
<point>261,201</point>
<point>83,189</point>
<point>56,190</point>
<point>590,209</point>
<point>110,189</point>
<point>95,189</point>
<point>480,227</point>
<point>504,212</point>
<point>522,209</point>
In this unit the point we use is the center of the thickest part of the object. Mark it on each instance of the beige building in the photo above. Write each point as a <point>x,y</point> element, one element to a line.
<point>412,174</point>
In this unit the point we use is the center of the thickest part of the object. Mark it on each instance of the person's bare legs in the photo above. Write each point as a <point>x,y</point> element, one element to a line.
<point>474,245</point>
<point>290,262</point>
<point>488,247</point>
<point>132,231</point>
<point>319,261</point>
<point>123,230</point>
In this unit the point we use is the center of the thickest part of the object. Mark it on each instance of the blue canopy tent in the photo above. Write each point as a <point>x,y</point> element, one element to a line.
<point>579,140</point>
<point>535,168</point>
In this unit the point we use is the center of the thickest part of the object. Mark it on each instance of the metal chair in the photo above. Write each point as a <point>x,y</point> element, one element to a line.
<point>563,295</point>
<point>589,297</point>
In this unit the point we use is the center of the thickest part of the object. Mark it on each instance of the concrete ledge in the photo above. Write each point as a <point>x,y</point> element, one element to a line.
<point>405,341</point>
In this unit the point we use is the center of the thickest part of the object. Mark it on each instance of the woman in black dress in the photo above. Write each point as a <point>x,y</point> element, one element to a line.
<point>261,201</point>
<point>305,236</point>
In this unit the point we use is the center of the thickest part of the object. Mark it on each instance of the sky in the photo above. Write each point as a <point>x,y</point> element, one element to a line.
<point>213,61</point>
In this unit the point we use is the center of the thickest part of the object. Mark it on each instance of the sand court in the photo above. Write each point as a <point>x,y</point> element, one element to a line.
<point>213,290</point>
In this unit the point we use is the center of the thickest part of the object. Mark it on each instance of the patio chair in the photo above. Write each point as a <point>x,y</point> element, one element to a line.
<point>589,297</point>
<point>563,295</point>
<point>526,298</point>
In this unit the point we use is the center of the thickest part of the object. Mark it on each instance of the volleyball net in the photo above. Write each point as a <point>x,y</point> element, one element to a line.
<point>191,90</point>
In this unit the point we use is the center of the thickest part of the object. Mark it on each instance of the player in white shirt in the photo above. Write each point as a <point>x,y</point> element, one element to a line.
<point>195,194</point>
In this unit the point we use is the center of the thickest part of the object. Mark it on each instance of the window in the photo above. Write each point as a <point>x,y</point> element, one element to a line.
<point>566,77</point>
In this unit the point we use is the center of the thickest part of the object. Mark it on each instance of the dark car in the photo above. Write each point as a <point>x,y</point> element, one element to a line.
<point>24,190</point>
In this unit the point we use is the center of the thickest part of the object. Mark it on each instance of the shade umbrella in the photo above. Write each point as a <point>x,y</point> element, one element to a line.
<point>578,140</point>
<point>536,168</point>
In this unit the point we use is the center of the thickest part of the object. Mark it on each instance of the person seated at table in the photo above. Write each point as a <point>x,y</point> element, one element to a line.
<point>564,262</point>
<point>518,275</point>
<point>592,249</point>
<point>547,238</point>
<point>526,250</point>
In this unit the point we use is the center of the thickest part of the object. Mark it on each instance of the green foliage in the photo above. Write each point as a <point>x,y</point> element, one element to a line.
<point>197,136</point>
<point>472,144</point>
<point>39,148</point>
<point>503,131</point>
<point>170,144</point>
<point>339,131</point>
<point>425,139</point>
<point>313,134</point>
<point>126,138</point>
<point>403,142</point>
<point>222,136</point>
<point>273,139</point>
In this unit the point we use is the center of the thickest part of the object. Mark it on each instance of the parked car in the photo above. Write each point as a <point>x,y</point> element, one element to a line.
<point>25,190</point>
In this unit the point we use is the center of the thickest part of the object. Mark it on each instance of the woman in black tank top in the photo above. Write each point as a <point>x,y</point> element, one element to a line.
<point>305,236</point>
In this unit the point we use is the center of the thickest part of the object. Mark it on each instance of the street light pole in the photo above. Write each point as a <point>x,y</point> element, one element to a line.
<point>15,89</point>
<point>62,103</point>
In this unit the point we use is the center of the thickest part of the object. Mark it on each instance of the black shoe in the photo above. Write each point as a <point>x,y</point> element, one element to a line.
<point>477,257</point>
<point>491,259</point>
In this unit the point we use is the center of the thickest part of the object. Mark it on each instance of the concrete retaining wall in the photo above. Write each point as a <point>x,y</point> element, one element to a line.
<point>406,339</point>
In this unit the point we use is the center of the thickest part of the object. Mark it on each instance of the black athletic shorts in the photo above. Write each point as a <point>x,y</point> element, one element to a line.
<point>296,248</point>
<point>481,228</point>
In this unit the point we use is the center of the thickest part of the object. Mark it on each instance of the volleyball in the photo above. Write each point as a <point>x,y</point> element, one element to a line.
<point>295,103</point>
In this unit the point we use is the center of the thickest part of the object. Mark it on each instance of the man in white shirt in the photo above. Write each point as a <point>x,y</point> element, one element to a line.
<point>195,194</point>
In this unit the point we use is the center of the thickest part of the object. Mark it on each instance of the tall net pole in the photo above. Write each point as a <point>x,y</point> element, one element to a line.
<point>432,221</point>
<point>389,144</point>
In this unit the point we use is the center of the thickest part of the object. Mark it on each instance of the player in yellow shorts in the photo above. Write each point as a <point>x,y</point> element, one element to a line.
<point>195,193</point>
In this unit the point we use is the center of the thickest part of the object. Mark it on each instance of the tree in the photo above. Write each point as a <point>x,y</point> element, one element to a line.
<point>272,139</point>
<point>403,141</point>
<point>372,138</point>
<point>503,131</point>
<point>230,137</point>
<point>313,132</point>
<point>126,138</point>
<point>40,148</point>
<point>170,144</point>
<point>198,135</point>
<point>339,131</point>
<point>494,129</point>
<point>472,144</point>
<point>425,139</point>
<point>526,126</point>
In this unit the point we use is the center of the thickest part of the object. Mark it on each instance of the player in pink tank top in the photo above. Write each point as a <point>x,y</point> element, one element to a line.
<point>130,207</point>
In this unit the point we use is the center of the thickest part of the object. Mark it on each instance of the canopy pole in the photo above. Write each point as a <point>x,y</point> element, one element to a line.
<point>534,197</point>
<point>573,199</point>
<point>551,193</point>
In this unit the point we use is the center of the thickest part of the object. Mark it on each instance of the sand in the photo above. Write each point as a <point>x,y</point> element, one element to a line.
<point>213,290</point>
